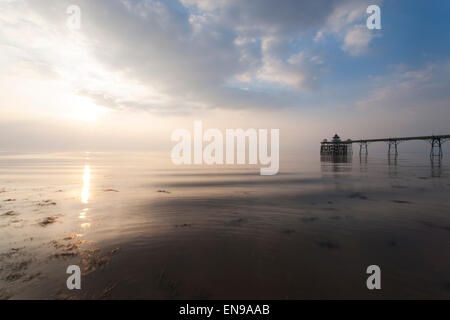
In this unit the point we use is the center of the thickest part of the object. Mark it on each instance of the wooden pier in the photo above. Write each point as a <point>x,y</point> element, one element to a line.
<point>337,146</point>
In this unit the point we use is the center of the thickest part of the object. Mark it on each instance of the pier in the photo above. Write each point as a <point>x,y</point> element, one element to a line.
<point>339,147</point>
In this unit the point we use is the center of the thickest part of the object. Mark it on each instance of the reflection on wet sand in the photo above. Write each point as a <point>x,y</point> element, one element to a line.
<point>309,232</point>
<point>436,166</point>
<point>84,213</point>
<point>336,158</point>
<point>86,184</point>
<point>392,165</point>
<point>85,196</point>
<point>336,163</point>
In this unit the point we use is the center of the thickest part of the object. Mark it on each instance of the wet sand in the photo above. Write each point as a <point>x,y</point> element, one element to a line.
<point>142,228</point>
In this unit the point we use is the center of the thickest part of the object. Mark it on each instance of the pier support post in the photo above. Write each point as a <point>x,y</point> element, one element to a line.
<point>363,146</point>
<point>393,144</point>
<point>436,147</point>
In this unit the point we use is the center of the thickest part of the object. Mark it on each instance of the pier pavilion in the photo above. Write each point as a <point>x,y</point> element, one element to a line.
<point>336,147</point>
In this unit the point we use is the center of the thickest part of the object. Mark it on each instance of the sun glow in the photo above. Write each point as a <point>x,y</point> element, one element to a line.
<point>84,114</point>
<point>85,110</point>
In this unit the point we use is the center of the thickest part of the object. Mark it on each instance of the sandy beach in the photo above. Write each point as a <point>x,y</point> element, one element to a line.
<point>140,227</point>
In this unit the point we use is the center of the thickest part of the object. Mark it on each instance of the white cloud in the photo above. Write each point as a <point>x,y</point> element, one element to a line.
<point>357,40</point>
<point>348,24</point>
<point>300,71</point>
<point>420,90</point>
<point>409,101</point>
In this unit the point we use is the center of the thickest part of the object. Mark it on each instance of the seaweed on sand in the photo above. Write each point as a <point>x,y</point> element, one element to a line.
<point>47,221</point>
<point>163,191</point>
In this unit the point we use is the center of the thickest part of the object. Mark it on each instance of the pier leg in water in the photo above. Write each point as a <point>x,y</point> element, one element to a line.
<point>393,143</point>
<point>363,145</point>
<point>436,143</point>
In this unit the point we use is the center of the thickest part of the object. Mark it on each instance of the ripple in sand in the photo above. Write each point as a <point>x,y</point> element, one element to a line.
<point>309,219</point>
<point>184,225</point>
<point>288,231</point>
<point>9,214</point>
<point>236,222</point>
<point>46,203</point>
<point>327,244</point>
<point>432,225</point>
<point>171,286</point>
<point>402,201</point>
<point>357,195</point>
<point>16,270</point>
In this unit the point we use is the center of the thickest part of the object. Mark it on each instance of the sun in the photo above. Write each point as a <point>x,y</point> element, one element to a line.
<point>85,114</point>
<point>84,109</point>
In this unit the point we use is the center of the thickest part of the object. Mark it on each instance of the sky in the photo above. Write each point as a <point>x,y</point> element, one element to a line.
<point>136,70</point>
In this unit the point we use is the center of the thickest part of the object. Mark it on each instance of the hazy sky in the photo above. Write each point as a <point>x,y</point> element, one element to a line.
<point>138,69</point>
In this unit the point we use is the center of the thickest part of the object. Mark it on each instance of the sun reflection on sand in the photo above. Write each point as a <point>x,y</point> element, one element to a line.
<point>85,225</point>
<point>86,184</point>
<point>83,213</point>
<point>85,195</point>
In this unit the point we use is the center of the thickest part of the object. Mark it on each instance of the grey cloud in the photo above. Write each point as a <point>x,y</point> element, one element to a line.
<point>263,16</point>
<point>101,99</point>
<point>192,54</point>
<point>105,100</point>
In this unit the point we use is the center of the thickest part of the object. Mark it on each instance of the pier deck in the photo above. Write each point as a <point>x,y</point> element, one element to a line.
<point>442,137</point>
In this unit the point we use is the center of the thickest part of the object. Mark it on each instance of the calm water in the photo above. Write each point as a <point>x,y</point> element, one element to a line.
<point>140,227</point>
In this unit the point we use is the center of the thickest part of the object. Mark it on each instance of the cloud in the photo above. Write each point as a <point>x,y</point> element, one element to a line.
<point>409,88</point>
<point>418,96</point>
<point>268,17</point>
<point>357,40</point>
<point>348,23</point>
<point>185,54</point>
<point>300,70</point>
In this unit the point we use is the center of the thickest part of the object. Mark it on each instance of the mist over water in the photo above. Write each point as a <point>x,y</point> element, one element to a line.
<point>140,227</point>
